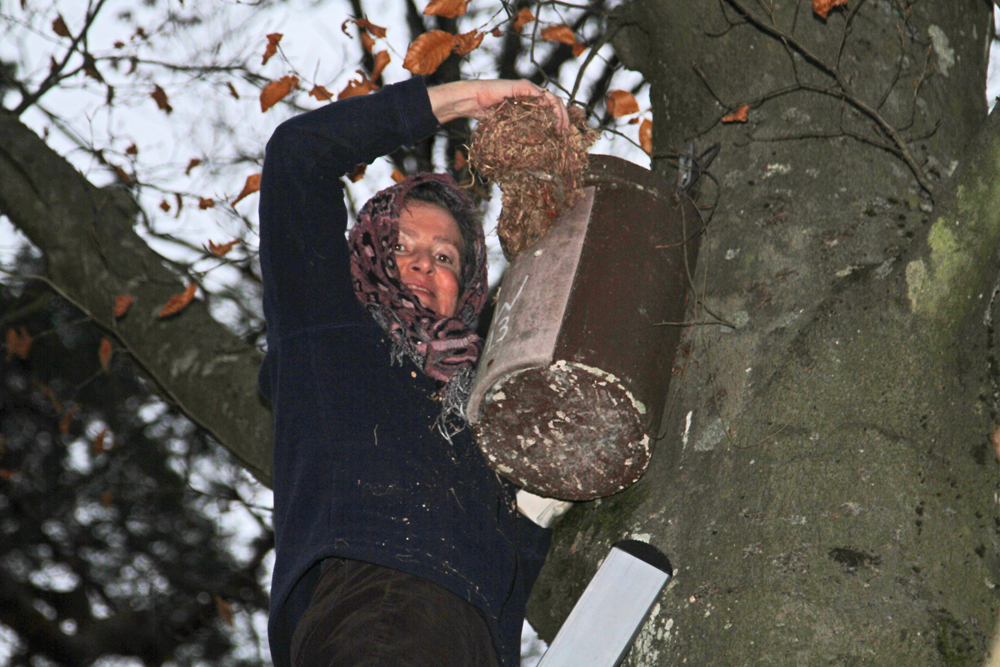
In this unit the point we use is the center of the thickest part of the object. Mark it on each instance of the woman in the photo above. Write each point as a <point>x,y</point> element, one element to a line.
<point>394,543</point>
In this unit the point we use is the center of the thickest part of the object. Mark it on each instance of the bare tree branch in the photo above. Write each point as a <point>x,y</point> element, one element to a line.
<point>93,255</point>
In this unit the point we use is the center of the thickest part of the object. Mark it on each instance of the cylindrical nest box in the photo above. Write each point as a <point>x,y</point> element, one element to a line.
<point>573,375</point>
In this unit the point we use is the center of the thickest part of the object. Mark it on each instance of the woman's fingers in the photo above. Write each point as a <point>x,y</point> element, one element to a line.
<point>473,98</point>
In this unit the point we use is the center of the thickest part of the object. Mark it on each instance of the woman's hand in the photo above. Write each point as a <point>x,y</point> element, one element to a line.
<point>471,99</point>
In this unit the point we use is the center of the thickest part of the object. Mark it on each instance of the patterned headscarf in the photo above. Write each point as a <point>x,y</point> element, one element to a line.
<point>446,348</point>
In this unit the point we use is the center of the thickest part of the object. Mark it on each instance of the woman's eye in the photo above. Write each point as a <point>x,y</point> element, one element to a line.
<point>398,247</point>
<point>445,258</point>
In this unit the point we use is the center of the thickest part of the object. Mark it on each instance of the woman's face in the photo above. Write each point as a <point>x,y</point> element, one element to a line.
<point>428,255</point>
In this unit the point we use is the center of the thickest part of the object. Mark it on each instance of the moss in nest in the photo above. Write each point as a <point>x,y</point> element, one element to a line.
<point>539,169</point>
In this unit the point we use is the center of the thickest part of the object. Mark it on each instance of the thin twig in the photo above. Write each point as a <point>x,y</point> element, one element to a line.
<point>847,29</point>
<point>845,91</point>
<point>54,77</point>
<point>164,386</point>
<point>718,323</point>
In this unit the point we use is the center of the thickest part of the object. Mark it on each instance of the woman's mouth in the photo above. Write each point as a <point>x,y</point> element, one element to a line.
<point>417,288</point>
<point>420,290</point>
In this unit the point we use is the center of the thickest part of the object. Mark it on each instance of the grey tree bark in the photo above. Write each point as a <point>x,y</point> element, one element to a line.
<point>824,484</point>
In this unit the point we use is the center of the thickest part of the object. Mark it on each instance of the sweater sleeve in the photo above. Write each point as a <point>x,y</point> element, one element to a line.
<point>303,250</point>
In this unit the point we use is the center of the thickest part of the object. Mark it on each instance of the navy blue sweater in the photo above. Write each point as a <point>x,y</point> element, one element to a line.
<point>359,470</point>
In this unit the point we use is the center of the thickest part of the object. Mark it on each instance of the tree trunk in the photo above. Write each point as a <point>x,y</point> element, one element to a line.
<point>824,486</point>
<point>93,255</point>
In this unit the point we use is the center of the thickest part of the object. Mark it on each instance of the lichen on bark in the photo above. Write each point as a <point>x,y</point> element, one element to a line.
<point>948,279</point>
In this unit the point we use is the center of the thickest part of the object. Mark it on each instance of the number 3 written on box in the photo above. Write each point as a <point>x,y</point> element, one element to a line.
<point>501,320</point>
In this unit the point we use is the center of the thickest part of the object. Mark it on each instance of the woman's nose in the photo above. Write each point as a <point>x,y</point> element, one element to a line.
<point>422,261</point>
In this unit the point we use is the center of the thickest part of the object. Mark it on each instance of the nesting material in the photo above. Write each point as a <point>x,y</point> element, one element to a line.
<point>539,170</point>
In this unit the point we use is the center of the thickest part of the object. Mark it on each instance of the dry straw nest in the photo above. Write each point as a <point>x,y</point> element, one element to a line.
<point>539,169</point>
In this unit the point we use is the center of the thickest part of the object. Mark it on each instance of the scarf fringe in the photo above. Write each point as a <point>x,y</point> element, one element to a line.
<point>454,397</point>
<point>455,393</point>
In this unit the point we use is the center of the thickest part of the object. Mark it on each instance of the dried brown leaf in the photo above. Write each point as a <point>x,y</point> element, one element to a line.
<point>220,250</point>
<point>90,68</point>
<point>123,175</point>
<point>468,42</point>
<point>164,206</point>
<point>67,420</point>
<point>232,91</point>
<point>225,610</point>
<point>578,48</point>
<point>739,116</point>
<point>321,93</point>
<point>178,302</point>
<point>398,176</point>
<point>98,445</point>
<point>355,88</point>
<point>822,7</point>
<point>621,103</point>
<point>381,60</point>
<point>646,135</point>
<point>59,27</point>
<point>104,353</point>
<point>375,30</point>
<point>51,395</point>
<point>428,51</point>
<point>446,8</point>
<point>18,343</point>
<point>251,186</point>
<point>192,163</point>
<point>523,18</point>
<point>363,25</point>
<point>122,303</point>
<point>497,32</point>
<point>160,97</point>
<point>367,41</point>
<point>276,91</point>
<point>358,173</point>
<point>132,150</point>
<point>272,46</point>
<point>561,33</point>
<point>206,202</point>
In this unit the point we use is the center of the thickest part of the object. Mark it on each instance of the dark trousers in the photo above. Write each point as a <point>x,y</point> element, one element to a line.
<point>364,615</point>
